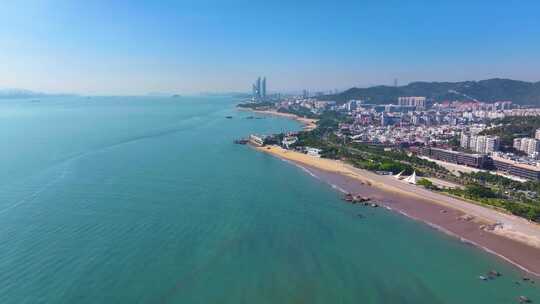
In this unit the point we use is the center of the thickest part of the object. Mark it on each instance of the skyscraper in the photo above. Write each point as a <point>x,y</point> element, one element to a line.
<point>254,91</point>
<point>259,89</point>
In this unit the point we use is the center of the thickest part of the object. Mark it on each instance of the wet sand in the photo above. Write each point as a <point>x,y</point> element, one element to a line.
<point>518,251</point>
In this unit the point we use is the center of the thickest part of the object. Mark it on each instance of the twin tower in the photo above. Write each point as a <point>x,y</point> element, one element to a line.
<point>259,89</point>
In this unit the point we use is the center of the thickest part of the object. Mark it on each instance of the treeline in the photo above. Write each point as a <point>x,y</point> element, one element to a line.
<point>489,197</point>
<point>299,111</point>
<point>255,105</point>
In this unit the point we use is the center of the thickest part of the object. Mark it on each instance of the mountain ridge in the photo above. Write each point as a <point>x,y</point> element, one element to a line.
<point>489,90</point>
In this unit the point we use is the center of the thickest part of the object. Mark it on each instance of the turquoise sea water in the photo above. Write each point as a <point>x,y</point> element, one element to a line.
<point>146,200</point>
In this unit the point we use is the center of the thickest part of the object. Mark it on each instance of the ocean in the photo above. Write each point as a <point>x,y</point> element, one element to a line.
<point>147,200</point>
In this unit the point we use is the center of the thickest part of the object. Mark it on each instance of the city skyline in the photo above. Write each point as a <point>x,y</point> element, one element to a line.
<point>183,47</point>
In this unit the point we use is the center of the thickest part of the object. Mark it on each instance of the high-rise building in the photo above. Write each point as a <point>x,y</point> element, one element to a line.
<point>517,143</point>
<point>413,101</point>
<point>492,144</point>
<point>479,143</point>
<point>255,91</point>
<point>531,146</point>
<point>259,89</point>
<point>464,141</point>
<point>524,144</point>
<point>351,105</point>
<point>537,134</point>
<point>473,140</point>
<point>263,88</point>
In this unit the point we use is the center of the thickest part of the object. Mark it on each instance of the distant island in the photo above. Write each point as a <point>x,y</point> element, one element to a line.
<point>19,93</point>
<point>490,90</point>
<point>22,93</point>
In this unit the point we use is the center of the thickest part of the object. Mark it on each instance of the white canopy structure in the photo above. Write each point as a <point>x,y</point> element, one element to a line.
<point>412,179</point>
<point>398,176</point>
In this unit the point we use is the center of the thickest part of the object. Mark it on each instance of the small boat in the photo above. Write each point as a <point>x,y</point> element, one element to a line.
<point>374,205</point>
<point>524,299</point>
<point>494,273</point>
<point>361,199</point>
<point>483,278</point>
<point>348,197</point>
<point>242,141</point>
<point>228,117</point>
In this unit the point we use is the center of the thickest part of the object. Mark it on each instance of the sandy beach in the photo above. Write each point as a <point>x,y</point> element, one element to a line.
<point>515,240</point>
<point>309,123</point>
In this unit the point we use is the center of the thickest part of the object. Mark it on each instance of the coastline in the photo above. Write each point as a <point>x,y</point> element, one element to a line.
<point>516,242</point>
<point>309,123</point>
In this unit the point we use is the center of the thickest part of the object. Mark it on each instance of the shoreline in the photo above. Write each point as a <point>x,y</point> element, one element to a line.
<point>309,123</point>
<point>517,242</point>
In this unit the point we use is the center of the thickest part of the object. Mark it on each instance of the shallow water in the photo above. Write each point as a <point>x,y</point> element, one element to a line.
<point>146,200</point>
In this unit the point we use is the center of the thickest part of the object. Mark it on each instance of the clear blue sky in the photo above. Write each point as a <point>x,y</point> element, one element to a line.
<point>136,47</point>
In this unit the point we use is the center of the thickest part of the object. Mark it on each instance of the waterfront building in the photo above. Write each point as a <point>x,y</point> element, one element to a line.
<point>529,171</point>
<point>313,152</point>
<point>455,157</point>
<point>256,140</point>
<point>259,89</point>
<point>288,141</point>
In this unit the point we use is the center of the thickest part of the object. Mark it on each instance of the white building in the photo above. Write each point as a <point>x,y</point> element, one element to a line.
<point>480,143</point>
<point>465,140</point>
<point>313,152</point>
<point>492,144</point>
<point>414,101</point>
<point>517,143</point>
<point>528,145</point>
<point>288,141</point>
<point>537,134</point>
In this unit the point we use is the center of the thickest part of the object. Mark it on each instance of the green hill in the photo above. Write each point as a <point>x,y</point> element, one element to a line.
<point>491,90</point>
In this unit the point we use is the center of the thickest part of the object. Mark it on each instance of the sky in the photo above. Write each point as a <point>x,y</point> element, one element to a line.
<point>140,47</point>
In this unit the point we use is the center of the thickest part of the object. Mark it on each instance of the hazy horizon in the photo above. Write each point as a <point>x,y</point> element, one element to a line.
<point>224,92</point>
<point>121,48</point>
